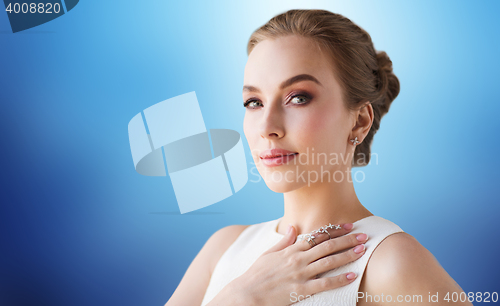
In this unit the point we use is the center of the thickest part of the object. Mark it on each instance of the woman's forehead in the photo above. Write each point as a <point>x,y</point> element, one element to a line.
<point>273,61</point>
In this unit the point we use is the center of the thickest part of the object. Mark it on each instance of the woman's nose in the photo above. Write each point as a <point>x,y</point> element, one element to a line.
<point>271,126</point>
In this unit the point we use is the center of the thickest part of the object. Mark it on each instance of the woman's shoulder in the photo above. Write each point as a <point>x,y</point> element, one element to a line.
<point>400,265</point>
<point>396,251</point>
<point>225,236</point>
<point>221,240</point>
<point>197,277</point>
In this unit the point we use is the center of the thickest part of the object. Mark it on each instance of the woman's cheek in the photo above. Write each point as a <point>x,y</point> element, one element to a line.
<point>315,123</point>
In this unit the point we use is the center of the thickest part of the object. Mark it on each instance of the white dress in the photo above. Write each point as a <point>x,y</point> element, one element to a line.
<point>258,238</point>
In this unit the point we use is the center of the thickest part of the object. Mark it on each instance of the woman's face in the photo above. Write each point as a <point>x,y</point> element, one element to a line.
<point>304,117</point>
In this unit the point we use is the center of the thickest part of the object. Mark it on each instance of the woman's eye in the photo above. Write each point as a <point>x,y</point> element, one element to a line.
<point>300,99</point>
<point>297,100</point>
<point>251,103</point>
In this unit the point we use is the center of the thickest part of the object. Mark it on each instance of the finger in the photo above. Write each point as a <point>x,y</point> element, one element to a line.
<point>334,261</point>
<point>340,230</point>
<point>286,241</point>
<point>306,243</point>
<point>335,245</point>
<point>332,231</point>
<point>319,237</point>
<point>327,283</point>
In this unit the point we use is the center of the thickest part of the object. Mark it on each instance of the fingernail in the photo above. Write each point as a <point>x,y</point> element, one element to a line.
<point>351,275</point>
<point>289,228</point>
<point>348,226</point>
<point>361,237</point>
<point>359,248</point>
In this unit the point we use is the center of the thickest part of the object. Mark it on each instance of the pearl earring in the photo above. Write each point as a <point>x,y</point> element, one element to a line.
<point>355,141</point>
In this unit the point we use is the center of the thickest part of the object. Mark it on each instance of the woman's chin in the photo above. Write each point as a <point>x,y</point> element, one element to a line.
<point>279,180</point>
<point>282,186</point>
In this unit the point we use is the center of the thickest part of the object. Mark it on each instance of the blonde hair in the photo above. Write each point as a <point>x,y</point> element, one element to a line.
<point>364,74</point>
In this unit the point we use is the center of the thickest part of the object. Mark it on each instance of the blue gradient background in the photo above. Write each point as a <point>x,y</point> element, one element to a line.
<point>80,227</point>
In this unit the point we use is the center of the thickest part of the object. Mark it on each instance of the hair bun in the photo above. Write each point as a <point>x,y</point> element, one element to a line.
<point>388,83</point>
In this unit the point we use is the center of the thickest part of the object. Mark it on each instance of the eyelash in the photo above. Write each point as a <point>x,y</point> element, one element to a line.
<point>305,95</point>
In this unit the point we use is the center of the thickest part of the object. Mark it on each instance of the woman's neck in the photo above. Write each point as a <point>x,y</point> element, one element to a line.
<point>310,207</point>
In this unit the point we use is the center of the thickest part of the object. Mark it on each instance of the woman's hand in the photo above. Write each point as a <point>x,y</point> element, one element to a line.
<point>292,268</point>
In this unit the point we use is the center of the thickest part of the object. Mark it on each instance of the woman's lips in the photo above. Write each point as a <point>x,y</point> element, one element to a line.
<point>276,157</point>
<point>279,160</point>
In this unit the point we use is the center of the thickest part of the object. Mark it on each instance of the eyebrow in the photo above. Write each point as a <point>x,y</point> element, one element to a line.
<point>285,84</point>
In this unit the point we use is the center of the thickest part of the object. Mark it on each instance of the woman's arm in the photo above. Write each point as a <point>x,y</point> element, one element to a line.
<point>401,266</point>
<point>193,285</point>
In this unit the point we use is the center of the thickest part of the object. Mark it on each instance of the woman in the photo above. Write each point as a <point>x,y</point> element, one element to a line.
<point>314,90</point>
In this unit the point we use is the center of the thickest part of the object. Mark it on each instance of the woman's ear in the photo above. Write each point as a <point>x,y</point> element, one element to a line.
<point>364,120</point>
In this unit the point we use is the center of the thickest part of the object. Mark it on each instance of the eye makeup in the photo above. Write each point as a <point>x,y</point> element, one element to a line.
<point>290,97</point>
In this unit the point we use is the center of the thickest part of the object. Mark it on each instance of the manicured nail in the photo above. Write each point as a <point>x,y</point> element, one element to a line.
<point>348,226</point>
<point>289,228</point>
<point>361,237</point>
<point>351,275</point>
<point>359,248</point>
